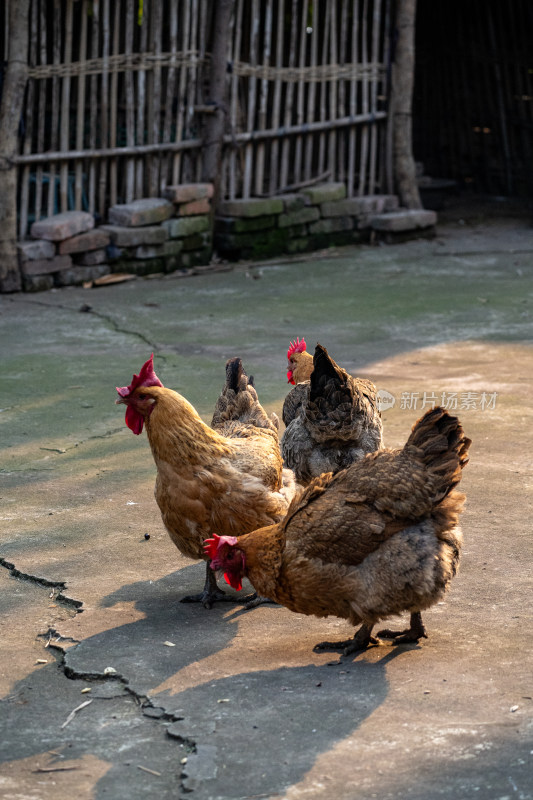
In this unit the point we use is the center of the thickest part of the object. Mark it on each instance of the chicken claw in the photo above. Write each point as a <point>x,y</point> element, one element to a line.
<point>360,641</point>
<point>254,600</point>
<point>410,635</point>
<point>210,594</point>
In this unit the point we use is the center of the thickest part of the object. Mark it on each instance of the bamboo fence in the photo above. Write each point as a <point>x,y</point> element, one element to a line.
<point>118,95</point>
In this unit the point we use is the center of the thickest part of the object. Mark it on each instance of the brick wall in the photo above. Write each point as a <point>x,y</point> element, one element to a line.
<point>175,233</point>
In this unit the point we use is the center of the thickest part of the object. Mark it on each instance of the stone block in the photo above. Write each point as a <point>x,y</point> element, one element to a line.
<point>332,225</point>
<point>62,226</point>
<point>299,217</point>
<point>252,207</point>
<point>172,248</point>
<point>188,192</point>
<point>33,250</point>
<point>194,242</point>
<point>147,211</point>
<point>76,276</point>
<point>186,226</point>
<point>194,208</point>
<point>91,258</point>
<point>293,202</point>
<point>132,237</point>
<point>404,220</point>
<point>146,251</point>
<point>92,240</point>
<point>38,283</point>
<point>245,225</point>
<point>324,193</point>
<point>45,266</point>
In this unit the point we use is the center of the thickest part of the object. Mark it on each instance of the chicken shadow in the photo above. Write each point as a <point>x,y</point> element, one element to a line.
<point>265,728</point>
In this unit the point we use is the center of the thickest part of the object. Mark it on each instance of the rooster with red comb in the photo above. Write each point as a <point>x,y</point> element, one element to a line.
<point>228,479</point>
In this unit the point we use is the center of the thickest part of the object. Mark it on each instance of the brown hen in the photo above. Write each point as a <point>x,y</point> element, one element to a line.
<point>377,539</point>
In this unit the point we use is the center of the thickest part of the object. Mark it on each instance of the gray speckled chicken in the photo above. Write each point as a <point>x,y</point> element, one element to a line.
<point>379,538</point>
<point>336,423</point>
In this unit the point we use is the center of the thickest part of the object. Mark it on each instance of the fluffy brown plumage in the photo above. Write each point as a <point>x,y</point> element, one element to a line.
<point>228,479</point>
<point>377,539</point>
<point>336,423</point>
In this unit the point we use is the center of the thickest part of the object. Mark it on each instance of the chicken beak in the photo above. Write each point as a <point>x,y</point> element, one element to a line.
<point>120,402</point>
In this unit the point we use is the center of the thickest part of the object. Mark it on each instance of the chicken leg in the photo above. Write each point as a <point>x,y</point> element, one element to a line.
<point>210,593</point>
<point>410,635</point>
<point>360,641</point>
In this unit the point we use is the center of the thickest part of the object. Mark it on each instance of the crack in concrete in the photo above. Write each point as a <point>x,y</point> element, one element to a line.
<point>105,317</point>
<point>44,582</point>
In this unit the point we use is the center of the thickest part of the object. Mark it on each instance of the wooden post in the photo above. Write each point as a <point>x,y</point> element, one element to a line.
<point>215,123</point>
<point>15,79</point>
<point>403,70</point>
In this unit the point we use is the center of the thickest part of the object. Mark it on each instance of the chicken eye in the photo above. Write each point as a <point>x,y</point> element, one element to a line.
<point>230,555</point>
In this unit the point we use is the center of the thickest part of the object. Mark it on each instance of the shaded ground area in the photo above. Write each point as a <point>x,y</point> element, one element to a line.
<point>230,703</point>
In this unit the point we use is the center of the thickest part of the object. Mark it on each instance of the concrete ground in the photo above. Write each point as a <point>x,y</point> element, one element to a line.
<point>173,700</point>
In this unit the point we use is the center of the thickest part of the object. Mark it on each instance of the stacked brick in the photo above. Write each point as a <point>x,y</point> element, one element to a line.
<point>314,218</point>
<point>175,232</point>
<point>65,250</point>
<point>163,234</point>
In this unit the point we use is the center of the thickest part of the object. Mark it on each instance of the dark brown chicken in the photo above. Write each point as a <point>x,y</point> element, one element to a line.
<point>337,423</point>
<point>377,539</point>
<point>228,479</point>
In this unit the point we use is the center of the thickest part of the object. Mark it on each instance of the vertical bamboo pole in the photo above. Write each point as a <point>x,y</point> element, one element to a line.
<point>234,99</point>
<point>263,98</point>
<point>311,94</point>
<point>104,104</point>
<point>170,89</point>
<point>402,87</point>
<point>332,91</point>
<point>141,97</point>
<point>300,97</point>
<point>93,105</point>
<point>185,34</point>
<point>64,136</point>
<point>363,156</point>
<point>289,94</point>
<point>42,112</point>
<point>54,136</point>
<point>252,91</point>
<point>113,106</point>
<point>80,112</point>
<point>155,101</point>
<point>324,90</point>
<point>28,139</point>
<point>352,137</point>
<point>374,130</point>
<point>341,107</point>
<point>130,99</point>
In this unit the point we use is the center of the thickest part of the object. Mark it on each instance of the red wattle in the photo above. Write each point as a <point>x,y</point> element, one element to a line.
<point>134,420</point>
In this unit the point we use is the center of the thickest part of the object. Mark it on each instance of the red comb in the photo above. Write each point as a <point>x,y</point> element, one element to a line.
<point>146,377</point>
<point>211,545</point>
<point>297,347</point>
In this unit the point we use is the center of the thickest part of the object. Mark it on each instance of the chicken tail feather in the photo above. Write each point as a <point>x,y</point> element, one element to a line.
<point>442,447</point>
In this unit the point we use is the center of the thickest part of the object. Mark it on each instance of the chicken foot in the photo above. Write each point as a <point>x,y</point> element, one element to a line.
<point>360,641</point>
<point>255,599</point>
<point>410,635</point>
<point>210,593</point>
